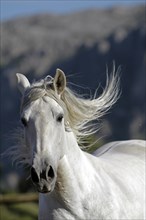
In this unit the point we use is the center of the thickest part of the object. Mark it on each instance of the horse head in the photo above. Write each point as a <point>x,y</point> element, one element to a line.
<point>44,127</point>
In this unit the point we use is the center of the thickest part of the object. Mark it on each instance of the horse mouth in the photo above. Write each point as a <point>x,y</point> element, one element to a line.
<point>43,191</point>
<point>45,188</point>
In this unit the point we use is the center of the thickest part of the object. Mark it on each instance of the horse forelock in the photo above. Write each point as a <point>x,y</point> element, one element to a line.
<point>35,91</point>
<point>41,90</point>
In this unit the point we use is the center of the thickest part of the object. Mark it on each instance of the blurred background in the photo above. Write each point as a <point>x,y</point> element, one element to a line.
<point>82,38</point>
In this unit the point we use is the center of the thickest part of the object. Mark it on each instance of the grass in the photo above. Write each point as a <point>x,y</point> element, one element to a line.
<point>17,211</point>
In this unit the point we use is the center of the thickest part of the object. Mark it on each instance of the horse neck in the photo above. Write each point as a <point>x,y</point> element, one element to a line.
<point>75,172</point>
<point>72,151</point>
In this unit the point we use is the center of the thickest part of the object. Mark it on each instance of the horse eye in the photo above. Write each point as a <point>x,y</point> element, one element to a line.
<point>59,118</point>
<point>24,122</point>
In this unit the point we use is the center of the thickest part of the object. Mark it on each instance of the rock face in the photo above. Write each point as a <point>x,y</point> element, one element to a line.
<point>81,44</point>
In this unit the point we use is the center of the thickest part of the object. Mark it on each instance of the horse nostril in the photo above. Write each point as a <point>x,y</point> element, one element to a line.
<point>34,176</point>
<point>51,172</point>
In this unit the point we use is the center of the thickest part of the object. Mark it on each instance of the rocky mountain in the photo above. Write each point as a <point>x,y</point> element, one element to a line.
<point>81,44</point>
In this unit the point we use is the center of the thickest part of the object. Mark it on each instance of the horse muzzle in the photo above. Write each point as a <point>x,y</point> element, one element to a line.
<point>45,180</point>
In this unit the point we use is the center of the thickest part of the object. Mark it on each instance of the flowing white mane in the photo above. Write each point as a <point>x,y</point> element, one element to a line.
<point>81,115</point>
<point>79,112</point>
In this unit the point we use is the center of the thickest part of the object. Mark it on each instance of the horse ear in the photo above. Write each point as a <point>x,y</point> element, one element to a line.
<point>59,81</point>
<point>23,82</point>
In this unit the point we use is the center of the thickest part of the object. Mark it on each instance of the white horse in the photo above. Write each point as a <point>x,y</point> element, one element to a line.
<point>72,183</point>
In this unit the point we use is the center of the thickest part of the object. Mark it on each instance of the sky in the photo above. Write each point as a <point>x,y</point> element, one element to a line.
<point>11,9</point>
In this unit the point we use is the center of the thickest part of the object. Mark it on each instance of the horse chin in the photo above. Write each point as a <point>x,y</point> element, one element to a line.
<point>44,191</point>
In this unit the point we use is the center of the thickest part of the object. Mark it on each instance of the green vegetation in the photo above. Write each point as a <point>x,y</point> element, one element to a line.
<point>19,206</point>
<point>17,211</point>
